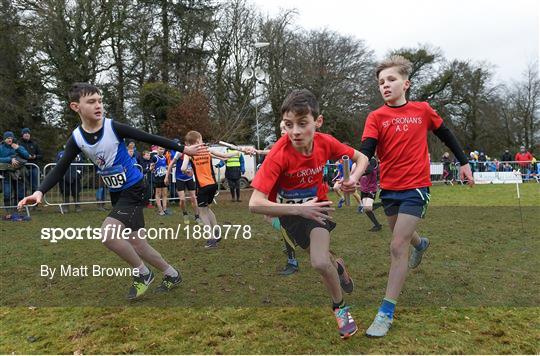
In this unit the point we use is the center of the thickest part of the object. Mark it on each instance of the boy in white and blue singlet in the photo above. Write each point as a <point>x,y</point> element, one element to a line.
<point>159,176</point>
<point>184,180</point>
<point>102,141</point>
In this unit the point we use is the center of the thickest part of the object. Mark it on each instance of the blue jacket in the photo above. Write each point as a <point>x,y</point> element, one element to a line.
<point>7,153</point>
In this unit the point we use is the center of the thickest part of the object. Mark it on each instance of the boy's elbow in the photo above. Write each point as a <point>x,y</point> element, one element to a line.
<point>254,205</point>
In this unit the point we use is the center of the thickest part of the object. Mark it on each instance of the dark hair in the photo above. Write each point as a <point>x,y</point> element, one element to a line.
<point>79,90</point>
<point>300,102</point>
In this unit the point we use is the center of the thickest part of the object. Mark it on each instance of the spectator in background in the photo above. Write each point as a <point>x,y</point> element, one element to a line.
<point>71,184</point>
<point>506,167</point>
<point>493,166</point>
<point>136,154</point>
<point>473,161</point>
<point>131,153</point>
<point>524,159</point>
<point>35,156</point>
<point>448,176</point>
<point>13,157</point>
<point>146,164</point>
<point>482,159</point>
<point>506,156</point>
<point>234,168</point>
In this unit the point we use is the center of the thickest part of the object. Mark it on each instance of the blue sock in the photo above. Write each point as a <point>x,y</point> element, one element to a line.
<point>422,245</point>
<point>387,307</point>
<point>292,261</point>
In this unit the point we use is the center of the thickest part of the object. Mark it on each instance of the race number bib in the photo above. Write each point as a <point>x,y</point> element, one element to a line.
<point>298,196</point>
<point>114,177</point>
<point>161,171</point>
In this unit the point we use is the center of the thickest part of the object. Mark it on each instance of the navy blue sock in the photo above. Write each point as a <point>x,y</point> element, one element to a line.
<point>387,307</point>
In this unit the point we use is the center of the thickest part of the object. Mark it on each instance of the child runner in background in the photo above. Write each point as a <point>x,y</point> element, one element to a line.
<point>160,172</point>
<point>102,141</point>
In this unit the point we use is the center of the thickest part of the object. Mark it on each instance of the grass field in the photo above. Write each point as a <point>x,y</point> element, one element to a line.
<point>475,292</point>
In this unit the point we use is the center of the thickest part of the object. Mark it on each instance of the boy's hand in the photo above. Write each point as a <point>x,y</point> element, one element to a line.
<point>466,174</point>
<point>31,199</point>
<point>315,210</point>
<point>195,150</point>
<point>349,186</point>
<point>166,181</point>
<point>250,151</point>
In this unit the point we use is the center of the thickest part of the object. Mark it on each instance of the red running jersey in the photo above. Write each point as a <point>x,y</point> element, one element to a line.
<point>287,176</point>
<point>401,134</point>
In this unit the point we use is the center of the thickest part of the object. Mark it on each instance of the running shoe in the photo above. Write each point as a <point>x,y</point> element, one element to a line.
<point>416,256</point>
<point>345,280</point>
<point>346,325</point>
<point>140,285</point>
<point>380,325</point>
<point>289,269</point>
<point>169,282</point>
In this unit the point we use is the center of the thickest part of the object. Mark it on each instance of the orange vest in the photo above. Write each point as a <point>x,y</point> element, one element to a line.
<point>202,167</point>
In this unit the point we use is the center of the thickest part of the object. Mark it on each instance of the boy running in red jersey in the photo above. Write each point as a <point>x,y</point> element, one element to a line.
<point>290,185</point>
<point>398,130</point>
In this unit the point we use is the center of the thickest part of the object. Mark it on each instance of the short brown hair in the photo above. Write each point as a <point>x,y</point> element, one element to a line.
<point>404,66</point>
<point>192,137</point>
<point>300,102</point>
<point>79,90</point>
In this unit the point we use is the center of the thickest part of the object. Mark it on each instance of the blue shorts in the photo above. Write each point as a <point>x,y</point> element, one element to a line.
<point>411,201</point>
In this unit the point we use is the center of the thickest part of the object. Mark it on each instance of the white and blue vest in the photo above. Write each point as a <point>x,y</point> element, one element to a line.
<point>110,155</point>
<point>160,169</point>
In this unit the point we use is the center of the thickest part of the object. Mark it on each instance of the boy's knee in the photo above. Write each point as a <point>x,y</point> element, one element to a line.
<point>368,208</point>
<point>321,264</point>
<point>398,247</point>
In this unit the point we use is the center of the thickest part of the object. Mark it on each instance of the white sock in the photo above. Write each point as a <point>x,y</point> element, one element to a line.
<point>142,269</point>
<point>170,271</point>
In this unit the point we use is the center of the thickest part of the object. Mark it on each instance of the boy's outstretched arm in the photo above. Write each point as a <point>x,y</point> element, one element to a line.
<point>447,137</point>
<point>54,177</point>
<point>361,161</point>
<point>125,131</point>
<point>169,169</point>
<point>223,155</point>
<point>313,209</point>
<point>185,163</point>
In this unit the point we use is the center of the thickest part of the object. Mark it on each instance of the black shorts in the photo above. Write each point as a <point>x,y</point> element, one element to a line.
<point>128,205</point>
<point>206,194</point>
<point>181,185</point>
<point>299,228</point>
<point>159,182</point>
<point>371,195</point>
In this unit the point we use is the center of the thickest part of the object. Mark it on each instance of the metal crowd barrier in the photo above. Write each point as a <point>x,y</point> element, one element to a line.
<point>15,184</point>
<point>81,184</point>
<point>529,170</point>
